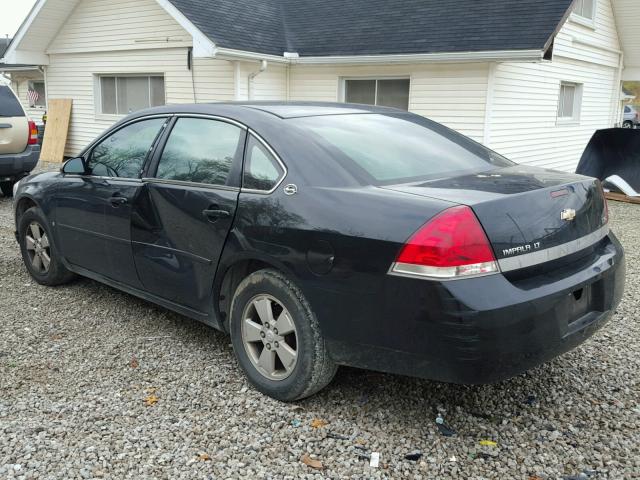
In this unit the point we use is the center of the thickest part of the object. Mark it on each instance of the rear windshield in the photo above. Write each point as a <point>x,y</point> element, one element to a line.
<point>386,149</point>
<point>9,105</point>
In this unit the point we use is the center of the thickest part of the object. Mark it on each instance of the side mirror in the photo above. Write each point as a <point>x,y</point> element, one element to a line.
<point>75,166</point>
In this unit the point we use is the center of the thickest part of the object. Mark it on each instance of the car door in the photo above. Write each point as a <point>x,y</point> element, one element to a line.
<point>93,211</point>
<point>185,210</point>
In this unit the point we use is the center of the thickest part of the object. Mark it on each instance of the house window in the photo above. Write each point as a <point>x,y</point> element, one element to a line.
<point>585,9</point>
<point>382,92</point>
<point>569,102</point>
<point>36,94</point>
<point>120,95</point>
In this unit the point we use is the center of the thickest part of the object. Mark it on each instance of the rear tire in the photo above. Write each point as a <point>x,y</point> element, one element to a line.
<point>627,124</point>
<point>289,364</point>
<point>39,253</point>
<point>7,189</point>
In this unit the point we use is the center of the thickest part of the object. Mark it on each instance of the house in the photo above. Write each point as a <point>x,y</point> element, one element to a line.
<point>532,79</point>
<point>27,81</point>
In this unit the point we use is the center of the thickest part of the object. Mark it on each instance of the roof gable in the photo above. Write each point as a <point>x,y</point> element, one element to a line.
<point>376,27</point>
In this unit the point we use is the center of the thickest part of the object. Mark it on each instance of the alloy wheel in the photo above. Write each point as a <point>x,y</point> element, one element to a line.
<point>38,248</point>
<point>269,337</point>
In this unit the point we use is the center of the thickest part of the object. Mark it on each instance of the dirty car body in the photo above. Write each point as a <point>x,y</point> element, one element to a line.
<point>359,191</point>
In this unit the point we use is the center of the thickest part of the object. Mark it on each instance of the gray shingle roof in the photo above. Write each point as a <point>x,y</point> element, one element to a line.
<point>4,44</point>
<point>376,27</point>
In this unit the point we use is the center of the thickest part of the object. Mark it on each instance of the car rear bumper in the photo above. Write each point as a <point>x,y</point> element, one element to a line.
<point>17,164</point>
<point>485,330</point>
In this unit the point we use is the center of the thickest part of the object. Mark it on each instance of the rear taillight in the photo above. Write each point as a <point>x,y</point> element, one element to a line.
<point>33,133</point>
<point>451,245</point>
<point>605,210</point>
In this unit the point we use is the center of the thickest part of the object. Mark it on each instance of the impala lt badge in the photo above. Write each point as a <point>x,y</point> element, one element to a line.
<point>568,215</point>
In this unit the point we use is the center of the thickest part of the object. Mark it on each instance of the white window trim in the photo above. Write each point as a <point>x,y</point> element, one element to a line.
<point>342,88</point>
<point>577,104</point>
<point>30,83</point>
<point>97,89</point>
<point>585,21</point>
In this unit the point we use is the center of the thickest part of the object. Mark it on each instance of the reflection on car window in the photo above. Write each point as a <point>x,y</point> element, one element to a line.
<point>201,151</point>
<point>394,148</point>
<point>123,153</point>
<point>261,171</point>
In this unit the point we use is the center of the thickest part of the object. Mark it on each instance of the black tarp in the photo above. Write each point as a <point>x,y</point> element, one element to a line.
<point>614,151</point>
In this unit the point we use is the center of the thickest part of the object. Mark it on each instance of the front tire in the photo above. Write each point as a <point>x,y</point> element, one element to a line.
<point>627,124</point>
<point>39,253</point>
<point>277,339</point>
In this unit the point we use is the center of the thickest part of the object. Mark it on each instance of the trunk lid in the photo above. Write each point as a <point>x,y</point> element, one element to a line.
<point>530,215</point>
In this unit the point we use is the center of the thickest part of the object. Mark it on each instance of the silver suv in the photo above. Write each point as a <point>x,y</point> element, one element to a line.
<point>19,149</point>
<point>631,117</point>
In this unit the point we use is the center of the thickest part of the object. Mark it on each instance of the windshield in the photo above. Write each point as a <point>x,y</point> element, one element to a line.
<point>386,149</point>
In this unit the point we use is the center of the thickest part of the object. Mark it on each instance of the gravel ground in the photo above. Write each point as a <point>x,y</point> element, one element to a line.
<point>95,383</point>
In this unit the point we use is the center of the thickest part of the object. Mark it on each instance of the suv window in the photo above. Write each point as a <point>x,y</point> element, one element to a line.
<point>627,110</point>
<point>201,151</point>
<point>9,104</point>
<point>261,171</point>
<point>123,153</point>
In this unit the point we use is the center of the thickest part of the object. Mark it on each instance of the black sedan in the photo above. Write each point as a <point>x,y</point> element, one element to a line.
<point>320,235</point>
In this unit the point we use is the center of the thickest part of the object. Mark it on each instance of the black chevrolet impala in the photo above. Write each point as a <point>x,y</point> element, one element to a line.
<point>320,235</point>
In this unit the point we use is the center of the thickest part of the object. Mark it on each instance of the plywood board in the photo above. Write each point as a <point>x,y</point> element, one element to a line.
<point>56,131</point>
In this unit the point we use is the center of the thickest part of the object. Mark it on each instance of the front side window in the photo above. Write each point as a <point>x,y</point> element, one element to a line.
<point>261,171</point>
<point>569,101</point>
<point>123,153</point>
<point>384,92</point>
<point>37,94</point>
<point>201,151</point>
<point>585,9</point>
<point>121,95</point>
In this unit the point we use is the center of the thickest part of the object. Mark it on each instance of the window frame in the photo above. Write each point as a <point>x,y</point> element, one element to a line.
<point>149,175</point>
<point>88,152</point>
<point>98,91</point>
<point>342,94</point>
<point>586,21</point>
<point>283,175</point>
<point>31,86</point>
<point>574,119</point>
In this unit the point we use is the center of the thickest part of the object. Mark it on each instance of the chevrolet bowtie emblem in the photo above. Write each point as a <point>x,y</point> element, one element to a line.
<point>568,215</point>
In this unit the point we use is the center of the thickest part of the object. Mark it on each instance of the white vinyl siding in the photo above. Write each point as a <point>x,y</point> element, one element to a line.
<point>524,123</point>
<point>452,94</point>
<point>106,25</point>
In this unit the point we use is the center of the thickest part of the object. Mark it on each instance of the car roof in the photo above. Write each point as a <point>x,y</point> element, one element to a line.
<point>282,110</point>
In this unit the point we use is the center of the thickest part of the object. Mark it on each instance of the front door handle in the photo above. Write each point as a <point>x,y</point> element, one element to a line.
<point>215,215</point>
<point>117,201</point>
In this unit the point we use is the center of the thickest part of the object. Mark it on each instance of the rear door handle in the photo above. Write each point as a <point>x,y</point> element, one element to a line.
<point>117,201</point>
<point>6,125</point>
<point>215,215</point>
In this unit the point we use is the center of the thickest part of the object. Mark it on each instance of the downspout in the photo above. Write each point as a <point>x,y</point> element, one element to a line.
<point>616,114</point>
<point>252,76</point>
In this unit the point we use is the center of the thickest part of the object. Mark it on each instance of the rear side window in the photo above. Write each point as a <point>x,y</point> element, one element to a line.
<point>201,151</point>
<point>261,171</point>
<point>123,154</point>
<point>9,104</point>
<point>386,149</point>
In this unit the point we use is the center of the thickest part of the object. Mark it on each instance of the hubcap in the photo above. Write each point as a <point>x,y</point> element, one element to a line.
<point>269,337</point>
<point>38,248</point>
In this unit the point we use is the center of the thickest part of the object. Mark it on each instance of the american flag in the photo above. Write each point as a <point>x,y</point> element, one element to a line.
<point>33,97</point>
